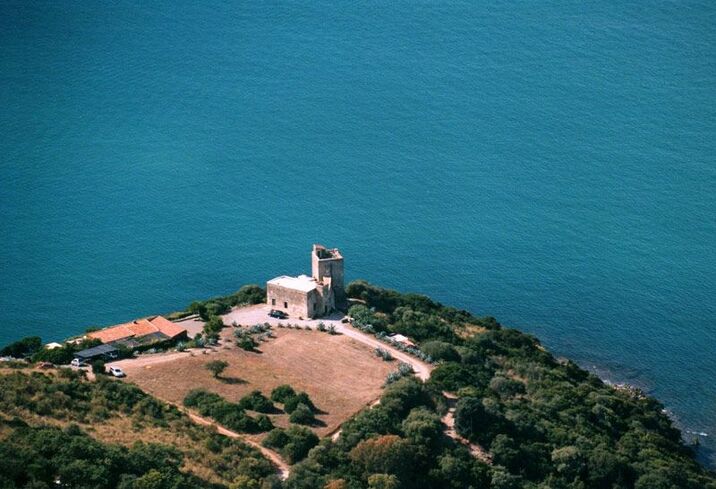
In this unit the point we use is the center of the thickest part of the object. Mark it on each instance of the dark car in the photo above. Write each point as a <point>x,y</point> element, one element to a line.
<point>275,313</point>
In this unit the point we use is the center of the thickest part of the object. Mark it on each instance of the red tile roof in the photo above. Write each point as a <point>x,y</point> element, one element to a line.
<point>167,327</point>
<point>138,328</point>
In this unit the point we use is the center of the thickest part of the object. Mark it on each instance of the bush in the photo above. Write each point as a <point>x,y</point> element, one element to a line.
<point>277,438</point>
<point>293,443</point>
<point>213,326</point>
<point>384,354</point>
<point>264,423</point>
<point>256,402</point>
<point>292,403</point>
<point>224,412</point>
<point>98,367</point>
<point>22,348</point>
<point>302,415</point>
<point>282,393</point>
<point>246,343</point>
<point>439,350</point>
<point>404,370</point>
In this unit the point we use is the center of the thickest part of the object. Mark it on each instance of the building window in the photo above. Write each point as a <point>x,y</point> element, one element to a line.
<point>273,302</point>
<point>313,307</point>
<point>285,305</point>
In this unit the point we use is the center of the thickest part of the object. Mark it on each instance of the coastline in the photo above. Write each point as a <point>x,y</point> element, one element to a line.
<point>697,439</point>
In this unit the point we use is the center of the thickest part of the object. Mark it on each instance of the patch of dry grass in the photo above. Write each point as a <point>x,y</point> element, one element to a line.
<point>339,374</point>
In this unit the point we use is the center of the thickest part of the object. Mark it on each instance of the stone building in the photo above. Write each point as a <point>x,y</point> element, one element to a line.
<point>314,296</point>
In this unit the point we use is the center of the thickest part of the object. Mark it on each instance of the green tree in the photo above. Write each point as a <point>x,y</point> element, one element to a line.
<point>302,415</point>
<point>383,481</point>
<point>98,367</point>
<point>282,393</point>
<point>216,367</point>
<point>22,348</point>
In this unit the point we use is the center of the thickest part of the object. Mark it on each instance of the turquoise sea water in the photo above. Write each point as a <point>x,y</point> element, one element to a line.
<point>551,165</point>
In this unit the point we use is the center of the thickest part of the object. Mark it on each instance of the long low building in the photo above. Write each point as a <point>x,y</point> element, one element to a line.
<point>140,332</point>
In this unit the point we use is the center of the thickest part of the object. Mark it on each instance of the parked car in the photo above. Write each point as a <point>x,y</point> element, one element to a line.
<point>117,372</point>
<point>275,313</point>
<point>45,365</point>
<point>76,362</point>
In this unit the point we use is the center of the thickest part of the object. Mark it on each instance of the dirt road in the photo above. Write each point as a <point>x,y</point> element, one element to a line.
<point>283,468</point>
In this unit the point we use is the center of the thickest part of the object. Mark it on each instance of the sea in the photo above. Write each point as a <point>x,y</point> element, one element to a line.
<point>552,164</point>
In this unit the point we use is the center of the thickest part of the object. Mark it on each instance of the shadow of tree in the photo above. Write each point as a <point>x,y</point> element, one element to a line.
<point>232,380</point>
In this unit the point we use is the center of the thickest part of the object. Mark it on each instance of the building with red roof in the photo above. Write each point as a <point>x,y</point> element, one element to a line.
<point>140,332</point>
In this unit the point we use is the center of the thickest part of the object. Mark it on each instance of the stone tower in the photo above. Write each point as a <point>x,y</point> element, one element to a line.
<point>327,269</point>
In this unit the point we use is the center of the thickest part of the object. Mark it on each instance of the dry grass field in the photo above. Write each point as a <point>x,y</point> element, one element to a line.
<point>339,374</point>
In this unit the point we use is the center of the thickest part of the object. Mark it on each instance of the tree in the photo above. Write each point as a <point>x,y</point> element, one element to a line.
<point>301,441</point>
<point>98,367</point>
<point>213,325</point>
<point>423,428</point>
<point>292,403</point>
<point>387,454</point>
<point>22,348</point>
<point>383,481</point>
<point>302,415</point>
<point>439,350</point>
<point>282,393</point>
<point>216,367</point>
<point>256,401</point>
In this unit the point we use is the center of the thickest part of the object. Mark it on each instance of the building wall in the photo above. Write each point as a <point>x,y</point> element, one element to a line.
<point>293,302</point>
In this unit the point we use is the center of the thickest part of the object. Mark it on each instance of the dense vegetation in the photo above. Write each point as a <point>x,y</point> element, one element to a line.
<point>44,457</point>
<point>226,413</point>
<point>34,455</point>
<point>293,443</point>
<point>546,422</point>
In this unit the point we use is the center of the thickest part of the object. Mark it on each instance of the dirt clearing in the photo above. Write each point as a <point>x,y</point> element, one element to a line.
<point>340,374</point>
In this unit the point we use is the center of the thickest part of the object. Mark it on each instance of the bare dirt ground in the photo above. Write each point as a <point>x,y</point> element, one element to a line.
<point>340,375</point>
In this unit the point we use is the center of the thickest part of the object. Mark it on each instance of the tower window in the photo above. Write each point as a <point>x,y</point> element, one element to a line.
<point>285,305</point>
<point>273,302</point>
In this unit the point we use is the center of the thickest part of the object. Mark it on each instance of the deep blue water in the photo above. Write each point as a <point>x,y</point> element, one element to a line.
<point>551,165</point>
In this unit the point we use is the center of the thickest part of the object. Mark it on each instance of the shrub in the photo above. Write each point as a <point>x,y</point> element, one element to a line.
<point>98,367</point>
<point>277,438</point>
<point>256,402</point>
<point>404,370</point>
<point>293,443</point>
<point>264,423</point>
<point>246,343</point>
<point>22,348</point>
<point>384,354</point>
<point>292,403</point>
<point>302,415</point>
<point>282,393</point>
<point>226,413</point>
<point>214,325</point>
<point>301,440</point>
<point>440,350</point>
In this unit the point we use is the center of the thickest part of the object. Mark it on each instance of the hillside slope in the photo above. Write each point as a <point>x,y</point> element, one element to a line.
<point>518,418</point>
